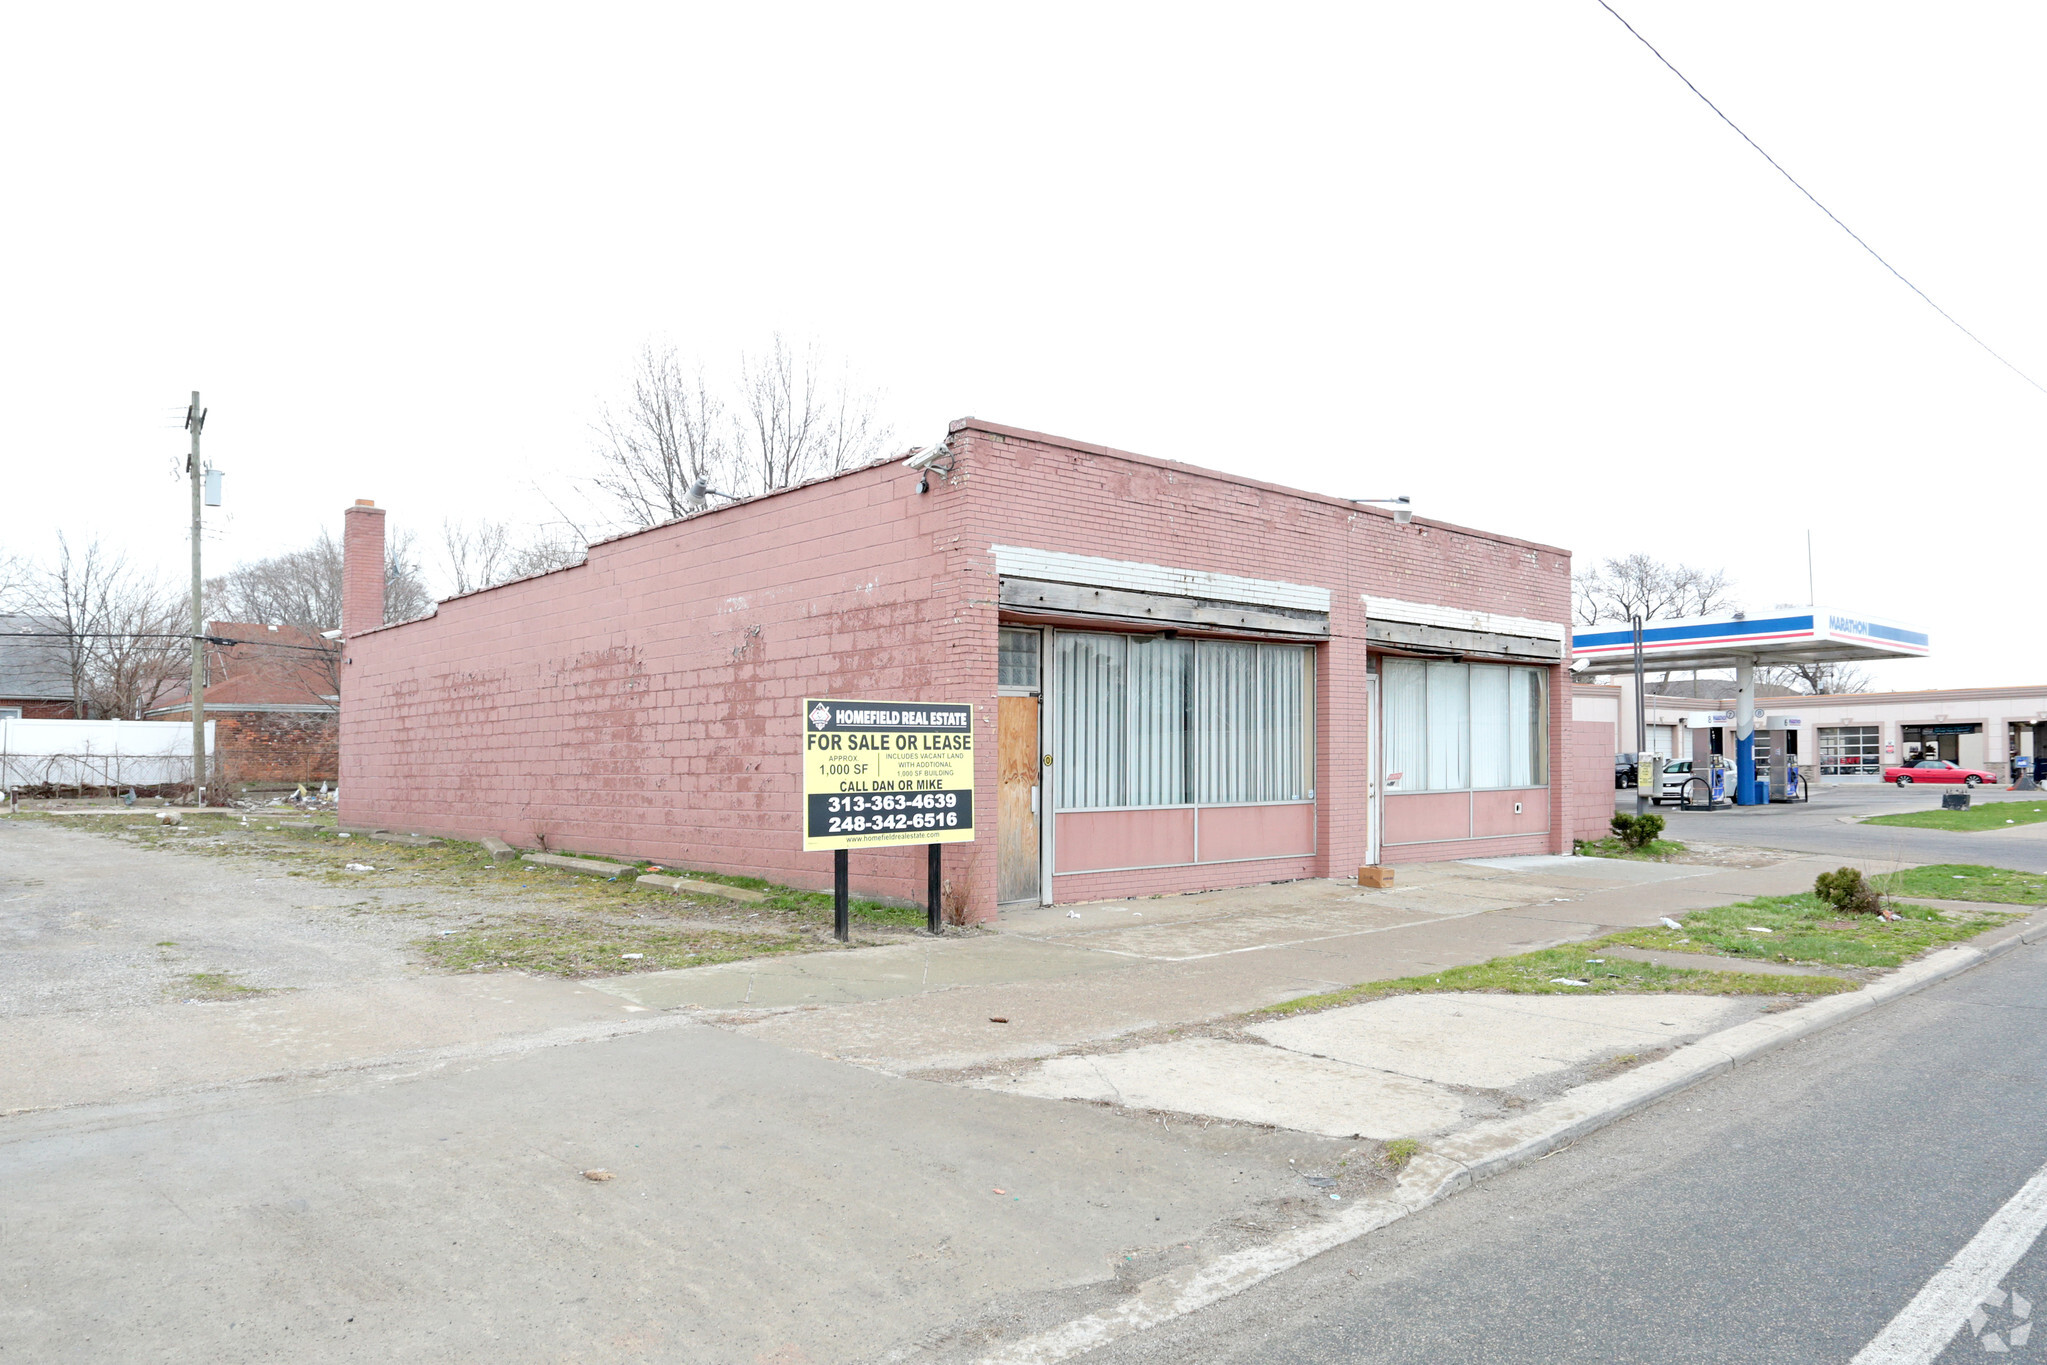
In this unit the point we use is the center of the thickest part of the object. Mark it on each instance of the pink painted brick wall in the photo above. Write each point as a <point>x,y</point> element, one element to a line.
<point>1591,803</point>
<point>646,703</point>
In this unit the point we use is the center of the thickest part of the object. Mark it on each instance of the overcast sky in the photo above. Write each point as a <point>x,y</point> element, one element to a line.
<point>1493,257</point>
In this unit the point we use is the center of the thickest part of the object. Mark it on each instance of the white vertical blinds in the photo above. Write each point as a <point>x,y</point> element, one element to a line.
<point>1452,726</point>
<point>1157,724</point>
<point>1528,729</point>
<point>1148,721</point>
<point>1492,764</point>
<point>1090,707</point>
<point>1449,726</point>
<point>1404,724</point>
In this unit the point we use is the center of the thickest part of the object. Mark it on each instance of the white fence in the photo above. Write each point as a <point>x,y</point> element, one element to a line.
<point>97,753</point>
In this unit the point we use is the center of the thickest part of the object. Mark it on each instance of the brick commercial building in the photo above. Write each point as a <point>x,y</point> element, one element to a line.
<point>1181,680</point>
<point>272,694</point>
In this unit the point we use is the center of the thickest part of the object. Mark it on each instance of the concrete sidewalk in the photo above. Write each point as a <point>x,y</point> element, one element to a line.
<point>1068,976</point>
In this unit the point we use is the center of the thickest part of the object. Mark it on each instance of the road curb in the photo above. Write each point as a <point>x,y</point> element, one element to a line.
<point>1490,1149</point>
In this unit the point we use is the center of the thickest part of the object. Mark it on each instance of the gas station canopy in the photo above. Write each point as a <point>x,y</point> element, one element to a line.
<point>1817,635</point>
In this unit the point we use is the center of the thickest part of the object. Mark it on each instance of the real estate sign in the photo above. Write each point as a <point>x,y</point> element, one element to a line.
<point>877,773</point>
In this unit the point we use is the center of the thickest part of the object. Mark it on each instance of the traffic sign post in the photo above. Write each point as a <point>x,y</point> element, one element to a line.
<point>880,774</point>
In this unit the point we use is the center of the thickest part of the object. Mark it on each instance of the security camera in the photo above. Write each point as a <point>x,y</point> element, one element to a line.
<point>1580,665</point>
<point>929,456</point>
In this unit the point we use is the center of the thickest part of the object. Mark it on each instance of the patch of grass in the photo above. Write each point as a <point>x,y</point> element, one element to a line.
<point>1400,1151</point>
<point>1655,851</point>
<point>321,852</point>
<point>598,945</point>
<point>1552,971</point>
<point>1990,815</point>
<point>1965,882</point>
<point>1804,928</point>
<point>809,904</point>
<point>213,986</point>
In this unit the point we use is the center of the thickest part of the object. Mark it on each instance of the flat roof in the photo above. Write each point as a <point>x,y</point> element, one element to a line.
<point>1783,635</point>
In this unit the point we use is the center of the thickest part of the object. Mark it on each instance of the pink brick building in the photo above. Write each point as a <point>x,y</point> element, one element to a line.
<point>1181,680</point>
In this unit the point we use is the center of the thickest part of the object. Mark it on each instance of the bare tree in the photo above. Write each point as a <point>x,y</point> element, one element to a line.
<point>1818,680</point>
<point>484,554</point>
<point>1637,584</point>
<point>788,418</point>
<point>795,423</point>
<point>144,651</point>
<point>15,572</point>
<point>666,434</point>
<point>303,589</point>
<point>120,637</point>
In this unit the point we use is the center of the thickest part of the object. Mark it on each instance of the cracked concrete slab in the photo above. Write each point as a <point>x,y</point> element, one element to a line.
<point>1496,1041</point>
<point>1247,1083</point>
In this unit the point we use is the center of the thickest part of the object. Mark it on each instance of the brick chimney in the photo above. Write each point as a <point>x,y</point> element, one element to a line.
<point>362,568</point>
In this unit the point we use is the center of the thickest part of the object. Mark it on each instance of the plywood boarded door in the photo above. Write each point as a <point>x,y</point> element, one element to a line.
<point>1017,799</point>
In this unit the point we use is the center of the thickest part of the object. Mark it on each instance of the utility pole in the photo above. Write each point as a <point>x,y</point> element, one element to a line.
<point>195,419</point>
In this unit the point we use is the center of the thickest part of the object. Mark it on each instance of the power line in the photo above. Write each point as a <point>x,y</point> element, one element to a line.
<point>1818,205</point>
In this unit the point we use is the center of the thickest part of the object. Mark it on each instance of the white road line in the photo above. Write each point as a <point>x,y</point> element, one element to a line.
<point>1923,1329</point>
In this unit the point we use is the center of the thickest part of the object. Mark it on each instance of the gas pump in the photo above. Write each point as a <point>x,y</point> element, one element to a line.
<point>1787,782</point>
<point>1712,775</point>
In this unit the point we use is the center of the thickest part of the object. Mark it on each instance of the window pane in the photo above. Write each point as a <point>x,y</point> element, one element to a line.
<point>1016,657</point>
<point>1283,687</point>
<point>1251,721</point>
<point>1225,698</point>
<point>1491,761</point>
<point>1089,758</point>
<point>1161,679</point>
<point>1404,704</point>
<point>1449,726</point>
<point>1537,719</point>
<point>1527,729</point>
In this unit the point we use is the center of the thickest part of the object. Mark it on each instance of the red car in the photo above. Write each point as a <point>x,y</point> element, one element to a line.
<point>1937,770</point>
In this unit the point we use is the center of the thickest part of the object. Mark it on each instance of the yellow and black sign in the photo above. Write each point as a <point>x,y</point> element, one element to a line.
<point>877,773</point>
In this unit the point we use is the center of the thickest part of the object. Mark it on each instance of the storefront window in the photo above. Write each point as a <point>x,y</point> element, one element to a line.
<point>1147,721</point>
<point>1453,727</point>
<point>1934,741</point>
<point>1849,750</point>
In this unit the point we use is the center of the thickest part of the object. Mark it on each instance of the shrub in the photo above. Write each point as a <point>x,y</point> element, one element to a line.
<point>1637,830</point>
<point>1848,890</point>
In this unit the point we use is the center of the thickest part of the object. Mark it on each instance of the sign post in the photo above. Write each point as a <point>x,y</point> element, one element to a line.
<point>880,774</point>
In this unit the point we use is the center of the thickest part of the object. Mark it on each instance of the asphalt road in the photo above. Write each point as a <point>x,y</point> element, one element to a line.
<point>1785,1212</point>
<point>1817,826</point>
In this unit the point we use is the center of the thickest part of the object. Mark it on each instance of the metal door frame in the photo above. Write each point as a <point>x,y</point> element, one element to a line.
<point>1042,692</point>
<point>1374,770</point>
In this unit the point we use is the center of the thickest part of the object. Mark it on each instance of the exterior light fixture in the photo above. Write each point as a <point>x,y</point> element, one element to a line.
<point>1402,512</point>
